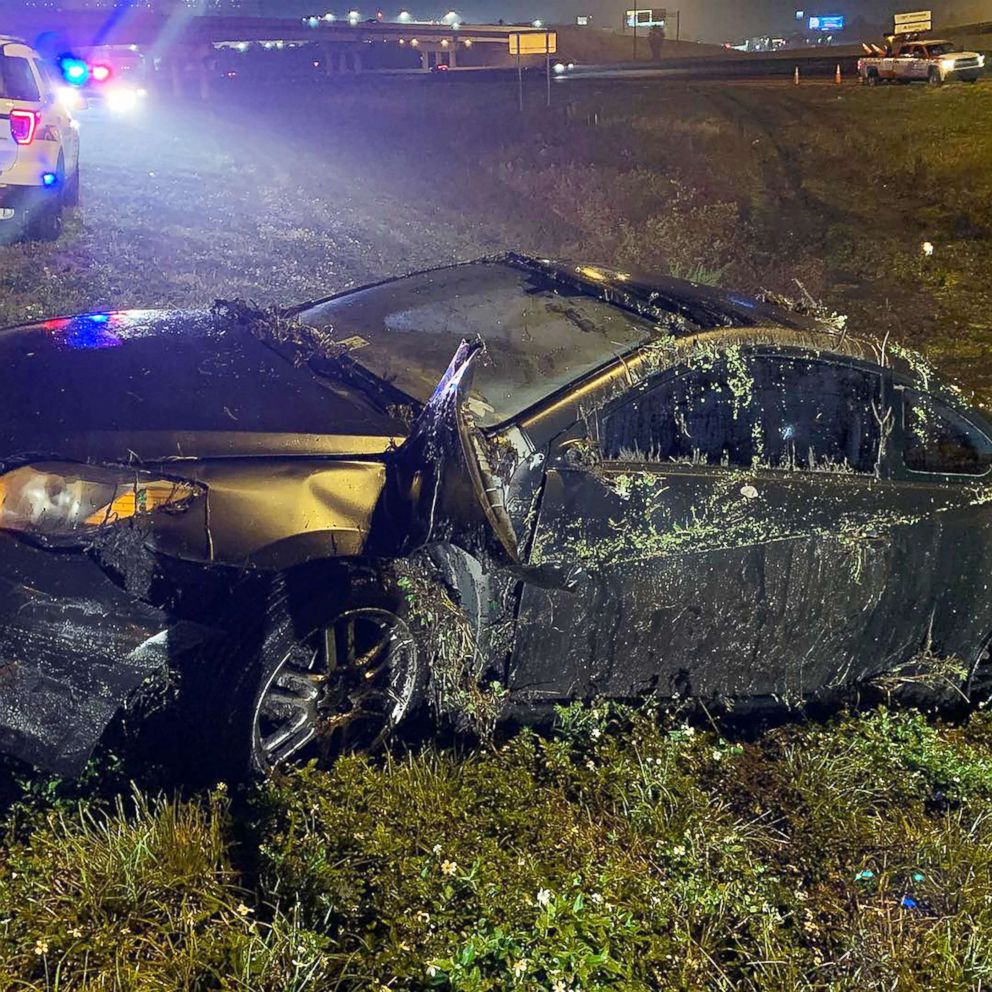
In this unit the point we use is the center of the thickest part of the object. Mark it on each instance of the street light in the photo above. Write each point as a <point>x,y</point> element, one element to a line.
<point>538,24</point>
<point>450,16</point>
<point>403,17</point>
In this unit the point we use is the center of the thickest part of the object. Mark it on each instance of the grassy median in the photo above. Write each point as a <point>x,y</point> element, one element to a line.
<point>621,852</point>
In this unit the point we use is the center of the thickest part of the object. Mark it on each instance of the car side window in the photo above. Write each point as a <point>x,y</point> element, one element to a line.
<point>938,440</point>
<point>49,81</point>
<point>17,81</point>
<point>757,411</point>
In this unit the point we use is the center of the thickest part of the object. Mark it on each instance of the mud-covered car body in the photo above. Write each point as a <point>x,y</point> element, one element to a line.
<point>622,487</point>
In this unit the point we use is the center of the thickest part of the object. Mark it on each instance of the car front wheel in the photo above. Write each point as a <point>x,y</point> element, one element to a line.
<point>935,78</point>
<point>70,196</point>
<point>342,689</point>
<point>317,663</point>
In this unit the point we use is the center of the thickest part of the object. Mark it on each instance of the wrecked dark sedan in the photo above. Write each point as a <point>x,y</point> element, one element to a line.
<point>476,492</point>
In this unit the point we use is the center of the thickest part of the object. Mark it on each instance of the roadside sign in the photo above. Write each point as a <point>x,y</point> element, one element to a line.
<point>647,17</point>
<point>536,43</point>
<point>913,22</point>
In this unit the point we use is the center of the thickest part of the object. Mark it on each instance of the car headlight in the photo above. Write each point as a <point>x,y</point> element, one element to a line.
<point>69,97</point>
<point>60,501</point>
<point>981,61</point>
<point>947,64</point>
<point>122,100</point>
<point>559,68</point>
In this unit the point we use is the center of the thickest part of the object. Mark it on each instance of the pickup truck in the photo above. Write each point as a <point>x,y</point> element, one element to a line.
<point>932,61</point>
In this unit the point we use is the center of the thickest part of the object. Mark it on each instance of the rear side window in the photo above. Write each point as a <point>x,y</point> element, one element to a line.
<point>757,411</point>
<point>939,440</point>
<point>17,81</point>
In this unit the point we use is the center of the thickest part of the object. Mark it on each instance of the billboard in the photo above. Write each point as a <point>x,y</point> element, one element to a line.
<point>830,22</point>
<point>647,17</point>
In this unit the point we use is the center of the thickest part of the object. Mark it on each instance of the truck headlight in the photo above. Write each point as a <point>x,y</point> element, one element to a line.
<point>981,61</point>
<point>947,65</point>
<point>60,501</point>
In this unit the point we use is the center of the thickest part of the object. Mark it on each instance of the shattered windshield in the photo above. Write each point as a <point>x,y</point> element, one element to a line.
<point>539,335</point>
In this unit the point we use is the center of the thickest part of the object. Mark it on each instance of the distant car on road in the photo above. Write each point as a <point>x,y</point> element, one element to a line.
<point>497,487</point>
<point>39,147</point>
<point>933,61</point>
<point>115,79</point>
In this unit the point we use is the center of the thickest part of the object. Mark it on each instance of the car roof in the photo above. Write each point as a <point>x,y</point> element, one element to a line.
<point>683,307</point>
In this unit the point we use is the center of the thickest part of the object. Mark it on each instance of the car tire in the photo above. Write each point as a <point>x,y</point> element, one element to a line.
<point>872,78</point>
<point>324,664</point>
<point>70,196</point>
<point>47,224</point>
<point>934,78</point>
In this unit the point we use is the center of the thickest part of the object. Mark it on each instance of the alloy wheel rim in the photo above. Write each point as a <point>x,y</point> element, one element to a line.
<point>341,689</point>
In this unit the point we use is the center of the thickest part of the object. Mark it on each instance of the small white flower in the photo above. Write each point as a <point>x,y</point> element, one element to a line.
<point>928,249</point>
<point>41,947</point>
<point>559,985</point>
<point>596,898</point>
<point>449,867</point>
<point>543,897</point>
<point>436,849</point>
<point>243,910</point>
<point>519,967</point>
<point>678,850</point>
<point>431,970</point>
<point>596,733</point>
<point>591,765</point>
<point>718,756</point>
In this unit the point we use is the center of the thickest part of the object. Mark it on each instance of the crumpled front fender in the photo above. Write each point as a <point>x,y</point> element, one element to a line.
<point>74,648</point>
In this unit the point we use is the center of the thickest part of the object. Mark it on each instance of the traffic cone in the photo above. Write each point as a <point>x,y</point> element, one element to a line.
<point>837,79</point>
<point>797,76</point>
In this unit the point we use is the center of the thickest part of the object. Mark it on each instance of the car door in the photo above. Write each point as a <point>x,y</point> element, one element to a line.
<point>16,93</point>
<point>727,530</point>
<point>942,470</point>
<point>57,113</point>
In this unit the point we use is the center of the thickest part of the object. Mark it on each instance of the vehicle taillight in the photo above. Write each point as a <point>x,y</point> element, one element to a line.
<point>23,124</point>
